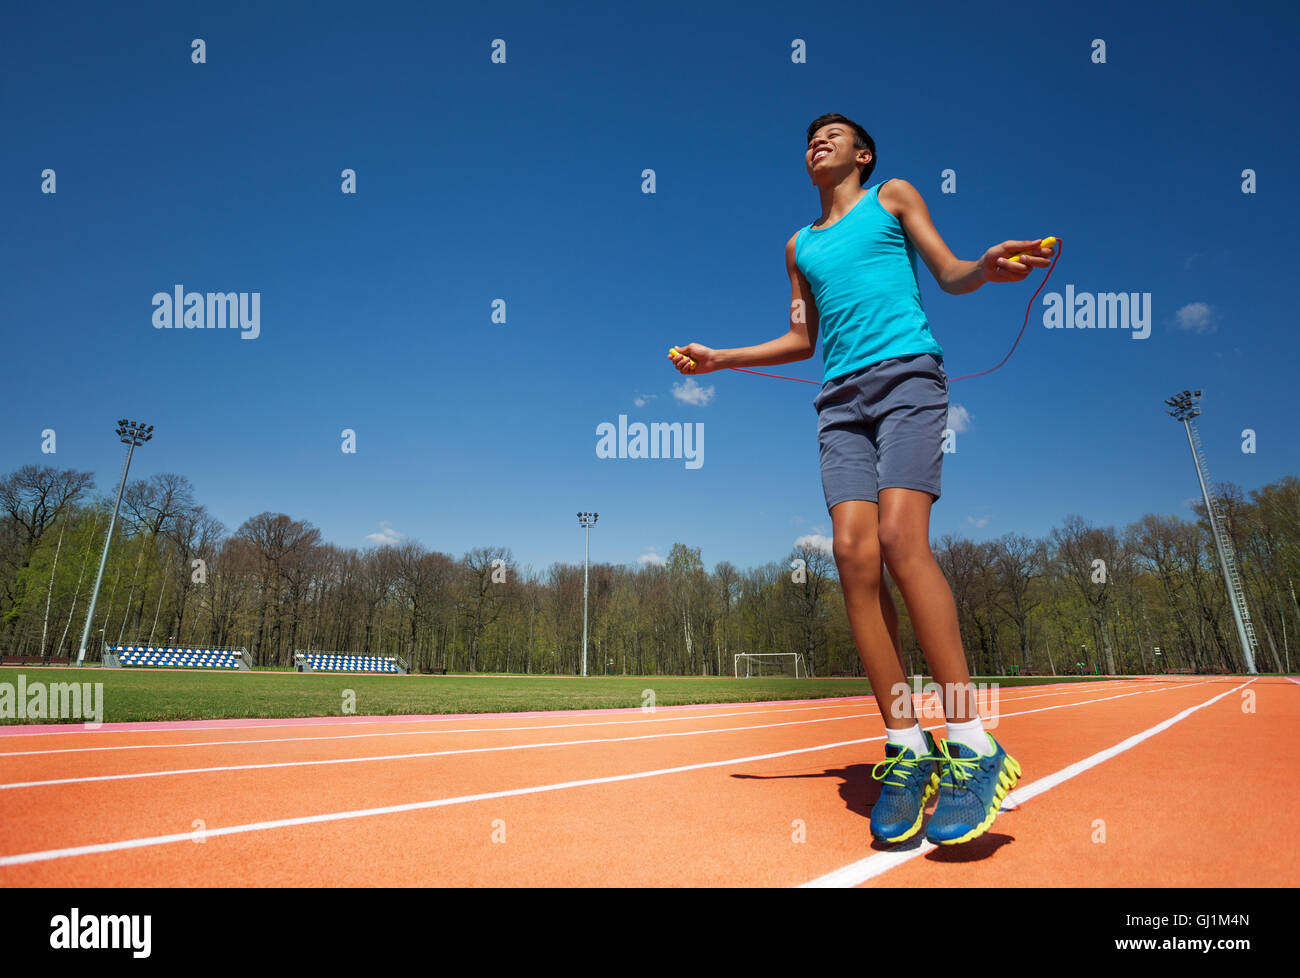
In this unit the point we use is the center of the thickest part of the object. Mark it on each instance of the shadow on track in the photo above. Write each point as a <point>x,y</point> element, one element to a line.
<point>857,788</point>
<point>860,791</point>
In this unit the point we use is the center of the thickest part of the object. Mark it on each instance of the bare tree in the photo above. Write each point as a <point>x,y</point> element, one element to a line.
<point>1079,547</point>
<point>1018,561</point>
<point>279,543</point>
<point>808,588</point>
<point>486,581</point>
<point>32,499</point>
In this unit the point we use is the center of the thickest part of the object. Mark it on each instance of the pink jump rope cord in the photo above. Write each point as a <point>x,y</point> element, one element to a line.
<point>1023,327</point>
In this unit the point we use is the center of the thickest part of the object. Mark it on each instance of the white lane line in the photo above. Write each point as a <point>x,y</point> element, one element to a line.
<point>44,730</point>
<point>131,776</point>
<point>418,733</point>
<point>874,865</point>
<point>543,726</point>
<point>157,840</point>
<point>422,754</point>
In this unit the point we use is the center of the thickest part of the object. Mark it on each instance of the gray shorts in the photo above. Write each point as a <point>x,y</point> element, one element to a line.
<point>882,428</point>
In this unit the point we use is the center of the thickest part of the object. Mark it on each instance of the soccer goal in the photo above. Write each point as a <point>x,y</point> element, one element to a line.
<point>771,664</point>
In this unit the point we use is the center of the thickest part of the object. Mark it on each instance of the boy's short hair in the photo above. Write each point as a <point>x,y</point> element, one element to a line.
<point>861,138</point>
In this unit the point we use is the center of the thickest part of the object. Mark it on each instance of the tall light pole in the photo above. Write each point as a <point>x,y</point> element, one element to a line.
<point>132,434</point>
<point>1185,407</point>
<point>586,521</point>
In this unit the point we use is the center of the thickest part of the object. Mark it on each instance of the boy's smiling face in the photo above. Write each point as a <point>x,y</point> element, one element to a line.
<point>831,150</point>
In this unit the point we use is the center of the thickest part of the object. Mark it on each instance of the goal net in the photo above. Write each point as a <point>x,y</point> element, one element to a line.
<point>756,664</point>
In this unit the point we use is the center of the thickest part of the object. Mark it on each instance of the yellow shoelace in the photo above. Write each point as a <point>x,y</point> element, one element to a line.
<point>962,768</point>
<point>890,763</point>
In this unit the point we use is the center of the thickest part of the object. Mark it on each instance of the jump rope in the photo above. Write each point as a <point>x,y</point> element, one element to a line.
<point>1046,243</point>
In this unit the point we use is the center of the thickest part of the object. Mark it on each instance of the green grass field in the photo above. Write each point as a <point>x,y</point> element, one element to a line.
<point>142,694</point>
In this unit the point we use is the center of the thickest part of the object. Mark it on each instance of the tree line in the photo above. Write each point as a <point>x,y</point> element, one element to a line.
<point>177,577</point>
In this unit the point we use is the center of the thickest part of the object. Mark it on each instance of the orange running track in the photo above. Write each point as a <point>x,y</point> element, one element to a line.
<point>1126,783</point>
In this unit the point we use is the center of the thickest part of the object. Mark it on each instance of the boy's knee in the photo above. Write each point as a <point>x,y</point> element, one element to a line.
<point>856,554</point>
<point>898,545</point>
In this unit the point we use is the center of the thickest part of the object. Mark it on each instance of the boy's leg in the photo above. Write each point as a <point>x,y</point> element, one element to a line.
<point>977,772</point>
<point>873,618</point>
<point>909,773</point>
<point>890,614</point>
<point>904,533</point>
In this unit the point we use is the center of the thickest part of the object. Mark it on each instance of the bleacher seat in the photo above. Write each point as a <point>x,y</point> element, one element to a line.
<point>137,655</point>
<point>340,662</point>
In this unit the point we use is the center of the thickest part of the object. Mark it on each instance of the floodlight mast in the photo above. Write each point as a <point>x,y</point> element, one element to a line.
<point>132,434</point>
<point>1185,407</point>
<point>586,521</point>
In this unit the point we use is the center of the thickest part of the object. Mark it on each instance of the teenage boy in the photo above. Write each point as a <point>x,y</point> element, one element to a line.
<point>881,413</point>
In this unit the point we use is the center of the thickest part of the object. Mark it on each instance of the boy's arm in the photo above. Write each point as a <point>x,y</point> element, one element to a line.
<point>799,343</point>
<point>954,275</point>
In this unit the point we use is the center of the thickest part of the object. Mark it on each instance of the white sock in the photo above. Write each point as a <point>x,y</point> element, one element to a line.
<point>911,737</point>
<point>971,734</point>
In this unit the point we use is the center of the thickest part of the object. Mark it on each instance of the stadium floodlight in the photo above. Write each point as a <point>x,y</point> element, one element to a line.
<point>1186,408</point>
<point>133,434</point>
<point>586,521</point>
<point>1184,405</point>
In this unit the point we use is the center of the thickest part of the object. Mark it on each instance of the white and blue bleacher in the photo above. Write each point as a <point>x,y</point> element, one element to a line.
<point>347,662</point>
<point>184,658</point>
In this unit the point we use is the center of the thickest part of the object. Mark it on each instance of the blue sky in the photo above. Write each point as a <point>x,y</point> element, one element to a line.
<point>522,182</point>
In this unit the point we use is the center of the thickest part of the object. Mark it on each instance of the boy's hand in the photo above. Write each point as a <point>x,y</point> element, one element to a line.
<point>998,267</point>
<point>681,356</point>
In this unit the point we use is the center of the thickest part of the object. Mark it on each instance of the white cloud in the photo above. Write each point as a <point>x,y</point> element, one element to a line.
<point>959,418</point>
<point>817,541</point>
<point>979,524</point>
<point>658,560</point>
<point>643,399</point>
<point>1197,317</point>
<point>689,391</point>
<point>386,534</point>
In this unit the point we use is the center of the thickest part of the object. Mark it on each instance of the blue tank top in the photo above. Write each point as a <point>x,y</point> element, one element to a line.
<point>862,270</point>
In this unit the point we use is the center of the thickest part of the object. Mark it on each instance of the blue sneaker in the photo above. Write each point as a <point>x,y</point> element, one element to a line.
<point>908,783</point>
<point>971,789</point>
